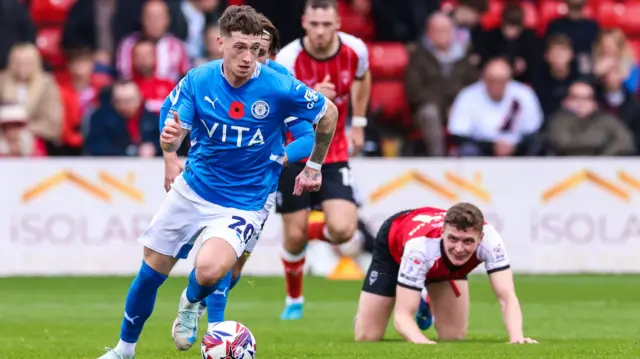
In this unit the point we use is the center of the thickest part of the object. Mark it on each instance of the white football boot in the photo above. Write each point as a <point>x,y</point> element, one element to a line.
<point>185,327</point>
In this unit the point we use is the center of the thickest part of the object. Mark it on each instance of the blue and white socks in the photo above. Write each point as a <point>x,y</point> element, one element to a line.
<point>138,307</point>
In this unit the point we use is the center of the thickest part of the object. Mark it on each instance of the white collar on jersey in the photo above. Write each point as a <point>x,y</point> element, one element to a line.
<point>256,72</point>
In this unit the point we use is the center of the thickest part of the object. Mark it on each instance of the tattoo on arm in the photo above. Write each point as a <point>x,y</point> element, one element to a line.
<point>324,134</point>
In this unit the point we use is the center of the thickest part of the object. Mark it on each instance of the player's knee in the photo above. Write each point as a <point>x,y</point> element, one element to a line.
<point>295,239</point>
<point>364,335</point>
<point>452,334</point>
<point>341,231</point>
<point>209,274</point>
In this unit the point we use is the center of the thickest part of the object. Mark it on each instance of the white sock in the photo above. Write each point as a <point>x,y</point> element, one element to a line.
<point>299,300</point>
<point>125,348</point>
<point>423,294</point>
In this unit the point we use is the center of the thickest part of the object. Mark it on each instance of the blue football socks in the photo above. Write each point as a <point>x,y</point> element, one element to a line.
<point>195,291</point>
<point>217,301</point>
<point>140,301</point>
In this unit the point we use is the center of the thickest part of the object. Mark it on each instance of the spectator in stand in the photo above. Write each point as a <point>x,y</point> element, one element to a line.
<point>153,89</point>
<point>581,129</point>
<point>400,20</point>
<point>79,88</point>
<point>581,31</point>
<point>468,31</point>
<point>26,84</point>
<point>91,24</point>
<point>15,27</point>
<point>121,126</point>
<point>612,50</point>
<point>15,138</point>
<point>195,16</point>
<point>616,100</point>
<point>438,69</point>
<point>172,61</point>
<point>556,74</point>
<point>496,116</point>
<point>514,42</point>
<point>212,48</point>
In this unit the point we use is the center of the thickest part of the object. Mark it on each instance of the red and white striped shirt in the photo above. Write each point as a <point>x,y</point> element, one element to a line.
<point>172,61</point>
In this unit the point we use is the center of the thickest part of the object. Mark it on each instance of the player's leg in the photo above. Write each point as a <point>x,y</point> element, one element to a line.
<point>216,302</point>
<point>450,310</point>
<point>225,238</point>
<point>167,239</point>
<point>378,290</point>
<point>338,205</point>
<point>295,215</point>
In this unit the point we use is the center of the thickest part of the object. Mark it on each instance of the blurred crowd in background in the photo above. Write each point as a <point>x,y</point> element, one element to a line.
<point>450,78</point>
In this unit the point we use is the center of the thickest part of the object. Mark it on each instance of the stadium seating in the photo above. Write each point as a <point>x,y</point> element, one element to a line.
<point>388,60</point>
<point>48,42</point>
<point>553,9</point>
<point>492,18</point>
<point>49,12</point>
<point>356,24</point>
<point>388,100</point>
<point>622,15</point>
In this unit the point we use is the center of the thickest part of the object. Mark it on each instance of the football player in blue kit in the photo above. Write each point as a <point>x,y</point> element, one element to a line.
<point>238,108</point>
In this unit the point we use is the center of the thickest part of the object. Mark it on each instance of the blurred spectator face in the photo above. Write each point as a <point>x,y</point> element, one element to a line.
<point>205,6</point>
<point>466,16</point>
<point>559,56</point>
<point>211,42</point>
<point>511,32</point>
<point>512,21</point>
<point>13,122</point>
<point>155,19</point>
<point>613,80</point>
<point>496,77</point>
<point>321,25</point>
<point>580,100</point>
<point>575,4</point>
<point>144,59</point>
<point>81,67</point>
<point>126,99</point>
<point>24,62</point>
<point>440,31</point>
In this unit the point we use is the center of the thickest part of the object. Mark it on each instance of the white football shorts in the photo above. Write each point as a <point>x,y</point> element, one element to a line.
<point>269,205</point>
<point>183,216</point>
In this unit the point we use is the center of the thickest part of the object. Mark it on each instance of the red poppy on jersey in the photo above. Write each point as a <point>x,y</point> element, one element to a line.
<point>236,110</point>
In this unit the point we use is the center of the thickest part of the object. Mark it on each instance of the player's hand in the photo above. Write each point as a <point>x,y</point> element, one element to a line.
<point>172,170</point>
<point>356,136</point>
<point>285,161</point>
<point>308,180</point>
<point>523,341</point>
<point>326,87</point>
<point>172,130</point>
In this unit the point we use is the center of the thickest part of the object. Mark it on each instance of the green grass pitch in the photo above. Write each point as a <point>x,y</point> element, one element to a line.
<point>73,318</point>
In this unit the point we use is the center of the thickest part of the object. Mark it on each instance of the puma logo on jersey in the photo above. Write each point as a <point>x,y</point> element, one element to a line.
<point>213,103</point>
<point>242,136</point>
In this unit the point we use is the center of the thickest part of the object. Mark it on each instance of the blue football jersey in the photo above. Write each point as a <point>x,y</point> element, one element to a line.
<point>239,131</point>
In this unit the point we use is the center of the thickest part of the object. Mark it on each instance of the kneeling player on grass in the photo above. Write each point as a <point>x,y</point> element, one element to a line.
<point>436,249</point>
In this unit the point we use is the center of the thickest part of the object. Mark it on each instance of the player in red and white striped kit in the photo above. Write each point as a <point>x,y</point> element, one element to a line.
<point>433,250</point>
<point>337,65</point>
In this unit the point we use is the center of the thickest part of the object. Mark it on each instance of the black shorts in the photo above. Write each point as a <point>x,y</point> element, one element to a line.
<point>382,276</point>
<point>336,184</point>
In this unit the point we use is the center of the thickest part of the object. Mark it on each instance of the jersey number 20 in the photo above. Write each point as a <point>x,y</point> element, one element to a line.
<point>242,228</point>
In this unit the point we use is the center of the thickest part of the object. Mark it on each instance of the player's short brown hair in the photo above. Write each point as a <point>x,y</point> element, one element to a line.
<point>243,19</point>
<point>268,26</point>
<point>322,4</point>
<point>463,216</point>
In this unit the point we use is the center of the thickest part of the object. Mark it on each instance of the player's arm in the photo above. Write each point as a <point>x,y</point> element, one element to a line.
<point>307,105</point>
<point>172,164</point>
<point>360,93</point>
<point>302,144</point>
<point>504,289</point>
<point>501,278</point>
<point>177,123</point>
<point>411,280</point>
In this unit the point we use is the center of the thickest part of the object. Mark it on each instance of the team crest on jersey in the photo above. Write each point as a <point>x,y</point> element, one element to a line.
<point>260,109</point>
<point>345,76</point>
